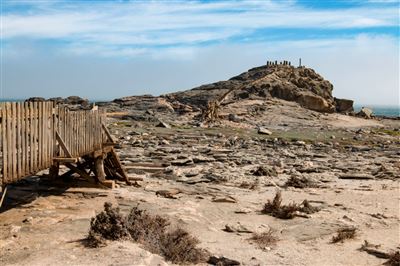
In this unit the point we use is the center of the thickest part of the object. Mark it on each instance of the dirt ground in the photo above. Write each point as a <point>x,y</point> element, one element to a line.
<point>354,162</point>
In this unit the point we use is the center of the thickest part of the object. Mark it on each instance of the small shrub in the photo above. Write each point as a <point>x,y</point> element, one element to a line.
<point>343,234</point>
<point>179,246</point>
<point>107,225</point>
<point>276,209</point>
<point>394,259</point>
<point>264,171</point>
<point>142,226</point>
<point>265,239</point>
<point>306,207</point>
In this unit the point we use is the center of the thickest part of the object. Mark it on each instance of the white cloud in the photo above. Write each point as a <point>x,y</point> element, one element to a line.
<point>184,23</point>
<point>364,68</point>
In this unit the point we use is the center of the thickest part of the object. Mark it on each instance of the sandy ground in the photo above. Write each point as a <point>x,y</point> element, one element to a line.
<point>45,222</point>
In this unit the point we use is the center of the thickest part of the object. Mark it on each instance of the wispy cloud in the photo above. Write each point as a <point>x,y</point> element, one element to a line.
<point>132,28</point>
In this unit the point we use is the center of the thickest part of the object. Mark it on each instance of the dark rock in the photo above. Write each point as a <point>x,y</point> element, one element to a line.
<point>222,261</point>
<point>57,100</point>
<point>356,176</point>
<point>343,105</point>
<point>76,100</point>
<point>35,99</point>
<point>234,118</point>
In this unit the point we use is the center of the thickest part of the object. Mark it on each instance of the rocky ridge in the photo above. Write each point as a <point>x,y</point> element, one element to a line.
<point>299,84</point>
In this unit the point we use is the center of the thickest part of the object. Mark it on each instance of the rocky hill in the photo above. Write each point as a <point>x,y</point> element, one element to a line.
<point>299,84</point>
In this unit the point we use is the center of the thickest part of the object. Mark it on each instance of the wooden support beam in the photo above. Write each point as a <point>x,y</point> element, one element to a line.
<point>3,195</point>
<point>65,160</point>
<point>101,152</point>
<point>80,172</point>
<point>62,144</point>
<point>99,167</point>
<point>54,170</point>
<point>109,136</point>
<point>119,167</point>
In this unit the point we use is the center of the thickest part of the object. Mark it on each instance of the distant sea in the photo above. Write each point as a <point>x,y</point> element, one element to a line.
<point>380,110</point>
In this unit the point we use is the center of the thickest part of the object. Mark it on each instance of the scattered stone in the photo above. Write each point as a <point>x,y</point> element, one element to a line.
<point>264,131</point>
<point>237,228</point>
<point>243,211</point>
<point>227,199</point>
<point>163,124</point>
<point>222,261</point>
<point>170,193</point>
<point>182,162</point>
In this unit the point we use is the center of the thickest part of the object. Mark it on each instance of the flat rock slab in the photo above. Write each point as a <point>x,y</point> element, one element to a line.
<point>227,199</point>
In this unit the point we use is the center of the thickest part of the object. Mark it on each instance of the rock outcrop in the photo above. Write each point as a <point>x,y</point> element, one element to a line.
<point>299,84</point>
<point>73,102</point>
<point>145,102</point>
<point>344,105</point>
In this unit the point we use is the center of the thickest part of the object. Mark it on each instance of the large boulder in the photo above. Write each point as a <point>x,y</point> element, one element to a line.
<point>75,100</point>
<point>365,112</point>
<point>344,105</point>
<point>315,103</point>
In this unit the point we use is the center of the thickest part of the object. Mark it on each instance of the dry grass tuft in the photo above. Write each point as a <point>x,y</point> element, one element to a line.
<point>343,234</point>
<point>249,185</point>
<point>394,259</point>
<point>276,209</point>
<point>107,225</point>
<point>264,171</point>
<point>300,182</point>
<point>143,227</point>
<point>177,246</point>
<point>306,207</point>
<point>265,239</point>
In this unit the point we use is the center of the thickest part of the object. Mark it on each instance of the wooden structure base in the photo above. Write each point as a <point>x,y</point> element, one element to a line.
<point>104,168</point>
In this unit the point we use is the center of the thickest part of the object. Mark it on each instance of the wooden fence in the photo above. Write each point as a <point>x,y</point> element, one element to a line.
<point>33,134</point>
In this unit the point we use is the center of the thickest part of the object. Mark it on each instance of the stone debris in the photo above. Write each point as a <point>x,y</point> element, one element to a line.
<point>227,199</point>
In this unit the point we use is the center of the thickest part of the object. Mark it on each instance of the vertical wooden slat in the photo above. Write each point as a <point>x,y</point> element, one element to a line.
<point>40,139</point>
<point>13,140</point>
<point>5,142</point>
<point>32,138</point>
<point>23,148</point>
<point>49,135</point>
<point>26,137</point>
<point>10,143</point>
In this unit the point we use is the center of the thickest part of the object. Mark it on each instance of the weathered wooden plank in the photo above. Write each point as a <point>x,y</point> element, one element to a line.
<point>22,143</point>
<point>26,138</point>
<point>5,142</point>
<point>13,140</point>
<point>63,146</point>
<point>65,160</point>
<point>32,138</point>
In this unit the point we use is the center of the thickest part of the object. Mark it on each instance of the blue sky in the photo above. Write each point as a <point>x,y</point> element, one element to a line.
<point>107,49</point>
